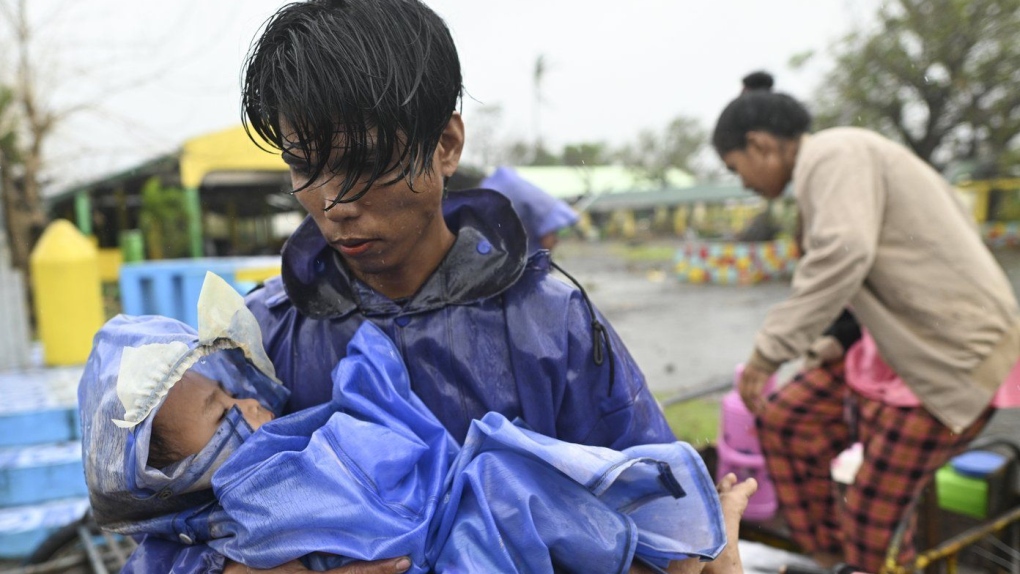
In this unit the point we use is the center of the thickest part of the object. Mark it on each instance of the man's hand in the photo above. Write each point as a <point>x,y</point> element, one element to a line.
<point>391,566</point>
<point>752,386</point>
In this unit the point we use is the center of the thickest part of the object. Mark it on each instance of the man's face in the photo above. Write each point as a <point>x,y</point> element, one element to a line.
<point>193,410</point>
<point>393,237</point>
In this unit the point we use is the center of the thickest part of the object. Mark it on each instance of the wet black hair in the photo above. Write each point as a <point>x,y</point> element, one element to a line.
<point>379,78</point>
<point>759,108</point>
<point>758,81</point>
<point>161,453</point>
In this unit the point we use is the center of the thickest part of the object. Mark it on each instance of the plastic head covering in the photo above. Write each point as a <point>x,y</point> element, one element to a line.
<point>540,212</point>
<point>134,363</point>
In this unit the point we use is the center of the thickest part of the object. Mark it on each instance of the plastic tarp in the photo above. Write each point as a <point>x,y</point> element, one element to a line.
<point>540,212</point>
<point>373,474</point>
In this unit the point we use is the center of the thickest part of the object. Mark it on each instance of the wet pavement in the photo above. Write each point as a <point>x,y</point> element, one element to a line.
<point>683,336</point>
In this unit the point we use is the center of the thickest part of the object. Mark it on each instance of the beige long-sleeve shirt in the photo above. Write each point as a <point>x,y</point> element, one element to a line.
<point>885,234</point>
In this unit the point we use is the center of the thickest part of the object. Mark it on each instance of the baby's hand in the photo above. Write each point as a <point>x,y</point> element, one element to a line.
<point>734,498</point>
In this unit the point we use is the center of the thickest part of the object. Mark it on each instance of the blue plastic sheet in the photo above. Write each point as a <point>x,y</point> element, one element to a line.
<point>373,474</point>
<point>540,212</point>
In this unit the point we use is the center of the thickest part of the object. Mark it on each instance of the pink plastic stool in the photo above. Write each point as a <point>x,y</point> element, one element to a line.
<point>740,452</point>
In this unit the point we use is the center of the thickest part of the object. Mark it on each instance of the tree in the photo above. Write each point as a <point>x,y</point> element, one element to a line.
<point>584,154</point>
<point>164,220</point>
<point>26,123</point>
<point>524,153</point>
<point>655,154</point>
<point>940,75</point>
<point>8,159</point>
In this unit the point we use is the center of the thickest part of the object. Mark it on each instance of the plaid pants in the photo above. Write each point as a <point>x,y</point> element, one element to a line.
<point>804,426</point>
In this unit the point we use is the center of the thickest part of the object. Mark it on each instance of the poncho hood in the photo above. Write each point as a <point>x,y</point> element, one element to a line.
<point>135,361</point>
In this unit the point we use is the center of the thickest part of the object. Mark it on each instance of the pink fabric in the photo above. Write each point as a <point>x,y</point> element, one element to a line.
<point>868,374</point>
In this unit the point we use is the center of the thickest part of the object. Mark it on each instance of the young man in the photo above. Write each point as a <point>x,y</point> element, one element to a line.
<point>360,98</point>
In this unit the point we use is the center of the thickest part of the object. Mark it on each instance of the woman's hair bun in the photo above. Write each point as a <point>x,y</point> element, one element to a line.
<point>758,81</point>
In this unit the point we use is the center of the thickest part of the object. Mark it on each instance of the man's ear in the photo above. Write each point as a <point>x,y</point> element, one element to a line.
<point>451,144</point>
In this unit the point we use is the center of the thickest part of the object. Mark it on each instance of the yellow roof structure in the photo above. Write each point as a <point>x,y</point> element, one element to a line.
<point>227,150</point>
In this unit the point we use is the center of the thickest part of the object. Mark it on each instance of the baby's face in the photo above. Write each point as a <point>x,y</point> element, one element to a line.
<point>194,409</point>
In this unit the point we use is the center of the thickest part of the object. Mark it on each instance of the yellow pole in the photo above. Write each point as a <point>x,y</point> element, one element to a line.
<point>66,289</point>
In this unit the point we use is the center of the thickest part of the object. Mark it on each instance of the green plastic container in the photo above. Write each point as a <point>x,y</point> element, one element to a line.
<point>961,494</point>
<point>132,245</point>
<point>970,482</point>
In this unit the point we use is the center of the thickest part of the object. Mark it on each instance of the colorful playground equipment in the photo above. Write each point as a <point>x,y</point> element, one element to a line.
<point>731,262</point>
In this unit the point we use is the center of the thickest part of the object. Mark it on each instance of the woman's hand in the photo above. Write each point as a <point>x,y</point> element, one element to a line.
<point>752,388</point>
<point>391,566</point>
<point>823,351</point>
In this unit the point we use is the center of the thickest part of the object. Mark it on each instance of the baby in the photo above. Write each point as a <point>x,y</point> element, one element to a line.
<point>193,410</point>
<point>371,474</point>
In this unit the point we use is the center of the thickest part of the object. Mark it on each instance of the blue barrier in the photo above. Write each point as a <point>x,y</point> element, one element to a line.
<point>171,287</point>
<point>39,406</point>
<point>23,528</point>
<point>39,473</point>
<point>42,480</point>
<point>55,425</point>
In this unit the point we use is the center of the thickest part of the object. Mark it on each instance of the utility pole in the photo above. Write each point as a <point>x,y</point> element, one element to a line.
<point>537,76</point>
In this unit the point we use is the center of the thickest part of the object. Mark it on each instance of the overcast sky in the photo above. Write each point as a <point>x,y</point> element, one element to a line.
<point>153,73</point>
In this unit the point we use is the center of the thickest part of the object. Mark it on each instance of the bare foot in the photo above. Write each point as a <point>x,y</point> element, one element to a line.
<point>734,497</point>
<point>826,560</point>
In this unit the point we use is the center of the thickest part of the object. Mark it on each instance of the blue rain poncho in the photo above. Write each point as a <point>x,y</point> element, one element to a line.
<point>133,364</point>
<point>373,474</point>
<point>500,332</point>
<point>540,212</point>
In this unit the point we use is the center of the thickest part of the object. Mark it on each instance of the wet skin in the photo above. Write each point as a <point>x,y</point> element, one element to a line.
<point>193,410</point>
<point>393,237</point>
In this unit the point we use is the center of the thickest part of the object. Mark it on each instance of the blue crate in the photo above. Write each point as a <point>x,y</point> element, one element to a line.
<point>23,528</point>
<point>42,479</point>
<point>37,473</point>
<point>46,426</point>
<point>171,287</point>
<point>39,406</point>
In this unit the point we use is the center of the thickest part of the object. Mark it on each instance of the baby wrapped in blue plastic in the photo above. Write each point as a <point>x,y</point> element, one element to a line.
<point>180,442</point>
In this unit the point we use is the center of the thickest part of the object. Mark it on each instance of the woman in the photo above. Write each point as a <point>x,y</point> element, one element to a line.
<point>884,235</point>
